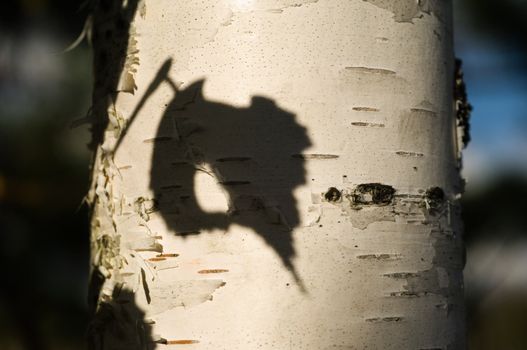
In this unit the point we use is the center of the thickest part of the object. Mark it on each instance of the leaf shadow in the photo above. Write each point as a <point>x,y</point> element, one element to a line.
<point>253,154</point>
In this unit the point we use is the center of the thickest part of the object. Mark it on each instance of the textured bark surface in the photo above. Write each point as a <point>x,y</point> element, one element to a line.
<point>278,174</point>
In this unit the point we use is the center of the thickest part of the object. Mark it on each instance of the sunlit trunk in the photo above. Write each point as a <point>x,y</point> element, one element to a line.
<point>276,174</point>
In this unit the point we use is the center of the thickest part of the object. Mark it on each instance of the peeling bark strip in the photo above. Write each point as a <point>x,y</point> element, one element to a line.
<point>181,294</point>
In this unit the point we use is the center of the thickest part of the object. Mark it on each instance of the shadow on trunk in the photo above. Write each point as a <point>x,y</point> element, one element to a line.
<point>251,157</point>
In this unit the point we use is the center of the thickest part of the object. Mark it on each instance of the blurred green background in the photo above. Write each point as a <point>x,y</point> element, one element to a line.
<point>44,171</point>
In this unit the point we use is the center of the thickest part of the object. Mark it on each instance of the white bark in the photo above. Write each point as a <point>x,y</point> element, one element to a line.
<point>297,169</point>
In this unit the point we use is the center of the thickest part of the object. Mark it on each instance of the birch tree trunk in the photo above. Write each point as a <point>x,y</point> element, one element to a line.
<point>275,174</point>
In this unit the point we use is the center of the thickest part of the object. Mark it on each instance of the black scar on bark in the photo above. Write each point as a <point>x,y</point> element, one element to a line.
<point>373,193</point>
<point>333,195</point>
<point>434,197</point>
